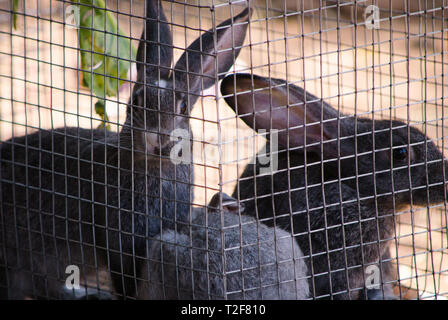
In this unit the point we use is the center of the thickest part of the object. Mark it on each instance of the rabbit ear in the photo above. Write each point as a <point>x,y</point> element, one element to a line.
<point>198,61</point>
<point>155,51</point>
<point>229,203</point>
<point>275,104</point>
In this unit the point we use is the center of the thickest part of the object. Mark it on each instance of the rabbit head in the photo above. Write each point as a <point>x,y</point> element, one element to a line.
<point>163,96</point>
<point>381,157</point>
<point>405,162</point>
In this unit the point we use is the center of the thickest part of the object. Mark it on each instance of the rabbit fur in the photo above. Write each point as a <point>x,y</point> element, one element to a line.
<point>260,262</point>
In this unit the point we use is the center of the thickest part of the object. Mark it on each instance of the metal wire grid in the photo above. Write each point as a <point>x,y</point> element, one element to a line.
<point>385,103</point>
<point>308,48</point>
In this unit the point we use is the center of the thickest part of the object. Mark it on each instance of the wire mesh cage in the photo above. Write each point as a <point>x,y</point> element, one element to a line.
<point>214,149</point>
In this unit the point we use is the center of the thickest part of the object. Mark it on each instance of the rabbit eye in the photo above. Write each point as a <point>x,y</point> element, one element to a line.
<point>400,154</point>
<point>182,107</point>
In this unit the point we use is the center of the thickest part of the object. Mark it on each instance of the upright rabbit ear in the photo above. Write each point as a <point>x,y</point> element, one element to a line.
<point>198,61</point>
<point>155,51</point>
<point>275,104</point>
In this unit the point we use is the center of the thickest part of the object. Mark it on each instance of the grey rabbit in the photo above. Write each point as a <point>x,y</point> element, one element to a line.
<point>92,198</point>
<point>336,196</point>
<point>260,262</point>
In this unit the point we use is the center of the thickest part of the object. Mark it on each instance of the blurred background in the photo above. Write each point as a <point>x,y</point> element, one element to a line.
<point>396,69</point>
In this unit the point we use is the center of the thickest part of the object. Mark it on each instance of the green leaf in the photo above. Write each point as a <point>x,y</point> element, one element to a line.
<point>105,50</point>
<point>15,8</point>
<point>100,109</point>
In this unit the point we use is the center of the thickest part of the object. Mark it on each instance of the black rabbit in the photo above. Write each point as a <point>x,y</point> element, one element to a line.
<point>260,262</point>
<point>92,198</point>
<point>339,194</point>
